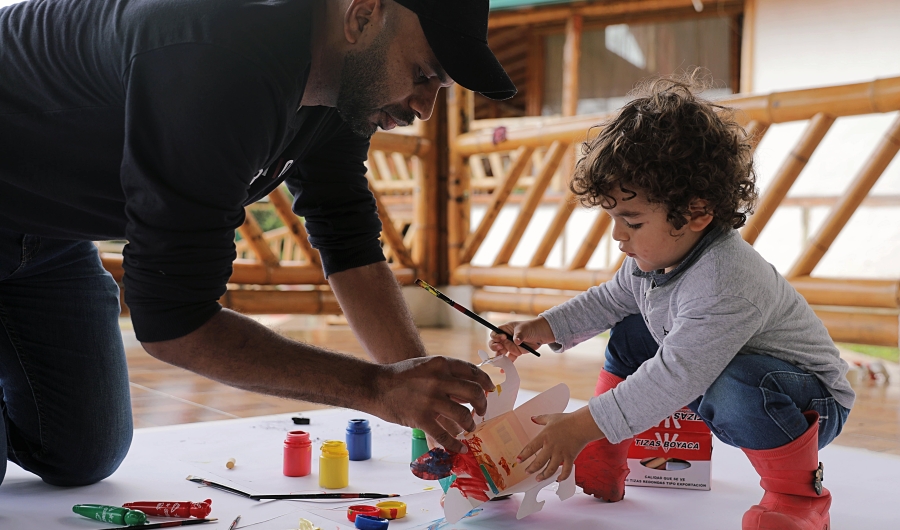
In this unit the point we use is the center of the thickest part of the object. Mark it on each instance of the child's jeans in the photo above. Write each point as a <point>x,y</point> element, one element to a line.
<point>756,403</point>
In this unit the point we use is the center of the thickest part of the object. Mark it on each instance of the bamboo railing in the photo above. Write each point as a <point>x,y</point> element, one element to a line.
<point>855,310</point>
<point>278,271</point>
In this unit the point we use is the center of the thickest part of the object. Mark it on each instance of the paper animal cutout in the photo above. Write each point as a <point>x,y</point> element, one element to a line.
<point>489,469</point>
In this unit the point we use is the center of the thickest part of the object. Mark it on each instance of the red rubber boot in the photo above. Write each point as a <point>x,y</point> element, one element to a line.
<point>791,476</point>
<point>601,467</point>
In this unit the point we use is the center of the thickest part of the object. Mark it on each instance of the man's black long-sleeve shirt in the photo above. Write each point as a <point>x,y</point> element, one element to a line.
<point>156,121</point>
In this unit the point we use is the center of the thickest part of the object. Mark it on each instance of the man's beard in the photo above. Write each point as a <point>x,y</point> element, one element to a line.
<point>364,87</point>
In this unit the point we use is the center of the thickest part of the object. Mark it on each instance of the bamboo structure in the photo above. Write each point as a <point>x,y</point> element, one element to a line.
<point>853,309</point>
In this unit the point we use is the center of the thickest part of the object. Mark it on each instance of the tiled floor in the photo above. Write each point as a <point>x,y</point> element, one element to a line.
<point>162,394</point>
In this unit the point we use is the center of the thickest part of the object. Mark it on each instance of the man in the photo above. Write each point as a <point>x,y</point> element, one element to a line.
<point>157,121</point>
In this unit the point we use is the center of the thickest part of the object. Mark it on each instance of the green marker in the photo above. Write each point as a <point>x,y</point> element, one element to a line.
<point>111,514</point>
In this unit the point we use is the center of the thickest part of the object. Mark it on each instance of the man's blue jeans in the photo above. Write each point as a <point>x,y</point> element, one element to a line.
<point>63,378</point>
<point>756,403</point>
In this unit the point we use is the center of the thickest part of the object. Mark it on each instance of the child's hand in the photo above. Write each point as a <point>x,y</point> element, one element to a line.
<point>564,436</point>
<point>532,332</point>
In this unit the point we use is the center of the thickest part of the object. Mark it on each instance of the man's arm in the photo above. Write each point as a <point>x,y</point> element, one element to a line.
<point>238,351</point>
<point>374,306</point>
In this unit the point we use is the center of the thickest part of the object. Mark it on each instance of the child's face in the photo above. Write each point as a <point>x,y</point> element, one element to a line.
<point>644,233</point>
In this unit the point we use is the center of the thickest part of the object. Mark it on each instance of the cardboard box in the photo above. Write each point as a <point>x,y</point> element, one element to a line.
<point>677,453</point>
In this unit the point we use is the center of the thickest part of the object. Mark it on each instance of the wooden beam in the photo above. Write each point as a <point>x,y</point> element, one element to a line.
<point>866,178</point>
<point>532,199</point>
<point>251,231</point>
<point>786,175</point>
<point>498,199</point>
<point>566,206</point>
<point>405,144</point>
<point>748,41</point>
<point>571,62</point>
<point>616,8</point>
<point>279,200</point>
<point>390,233</point>
<point>590,242</point>
<point>534,83</point>
<point>458,208</point>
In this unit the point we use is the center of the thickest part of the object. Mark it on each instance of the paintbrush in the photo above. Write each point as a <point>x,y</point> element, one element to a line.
<point>313,496</point>
<point>217,486</point>
<point>167,524</point>
<point>472,315</point>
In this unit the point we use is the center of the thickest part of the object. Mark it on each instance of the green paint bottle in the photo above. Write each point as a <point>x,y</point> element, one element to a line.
<point>419,444</point>
<point>111,514</point>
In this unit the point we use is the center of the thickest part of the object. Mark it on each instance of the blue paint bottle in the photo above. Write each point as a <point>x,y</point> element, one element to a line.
<point>359,440</point>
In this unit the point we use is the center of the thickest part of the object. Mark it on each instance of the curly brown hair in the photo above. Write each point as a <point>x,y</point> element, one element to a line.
<point>675,147</point>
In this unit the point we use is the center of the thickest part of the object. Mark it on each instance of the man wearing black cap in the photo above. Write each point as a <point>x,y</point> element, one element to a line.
<point>157,121</point>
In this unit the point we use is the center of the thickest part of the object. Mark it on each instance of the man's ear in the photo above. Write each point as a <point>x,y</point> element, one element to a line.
<point>699,215</point>
<point>360,17</point>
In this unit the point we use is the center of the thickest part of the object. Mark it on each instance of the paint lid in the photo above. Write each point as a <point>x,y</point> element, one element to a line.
<point>297,439</point>
<point>362,509</point>
<point>368,522</point>
<point>358,427</point>
<point>418,434</point>
<point>334,449</point>
<point>392,509</point>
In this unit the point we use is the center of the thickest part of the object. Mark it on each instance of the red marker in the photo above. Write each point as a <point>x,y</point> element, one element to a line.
<point>172,509</point>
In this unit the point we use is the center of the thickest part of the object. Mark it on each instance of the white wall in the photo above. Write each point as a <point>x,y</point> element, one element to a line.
<point>809,43</point>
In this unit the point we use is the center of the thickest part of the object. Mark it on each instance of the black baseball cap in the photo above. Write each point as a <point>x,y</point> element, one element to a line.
<point>457,33</point>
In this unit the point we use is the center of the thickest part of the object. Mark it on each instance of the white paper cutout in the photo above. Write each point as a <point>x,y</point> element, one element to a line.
<point>456,504</point>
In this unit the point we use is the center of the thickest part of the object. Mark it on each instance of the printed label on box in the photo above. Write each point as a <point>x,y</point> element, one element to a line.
<point>675,454</point>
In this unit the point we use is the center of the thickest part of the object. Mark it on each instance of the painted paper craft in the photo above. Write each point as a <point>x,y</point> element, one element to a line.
<point>490,469</point>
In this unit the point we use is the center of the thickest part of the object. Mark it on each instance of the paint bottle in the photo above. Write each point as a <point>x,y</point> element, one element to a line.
<point>297,454</point>
<point>110,514</point>
<point>334,465</point>
<point>359,440</point>
<point>172,508</point>
<point>419,444</point>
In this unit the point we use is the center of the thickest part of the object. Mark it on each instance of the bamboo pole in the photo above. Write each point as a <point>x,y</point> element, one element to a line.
<point>536,277</point>
<point>589,245</point>
<point>381,162</point>
<point>786,175</point>
<point>405,144</point>
<point>571,61</point>
<point>880,95</point>
<point>401,164</point>
<point>315,302</point>
<point>748,42</point>
<point>458,209</point>
<point>532,199</point>
<point>534,75</point>
<point>843,325</point>
<point>251,231</point>
<point>755,132</point>
<point>566,206</point>
<point>866,178</point>
<point>419,245</point>
<point>497,169</point>
<point>618,8</point>
<point>279,200</point>
<point>498,199</point>
<point>391,235</point>
<point>849,292</point>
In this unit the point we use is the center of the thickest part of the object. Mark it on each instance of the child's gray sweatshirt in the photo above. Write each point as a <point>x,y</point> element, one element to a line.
<point>728,301</point>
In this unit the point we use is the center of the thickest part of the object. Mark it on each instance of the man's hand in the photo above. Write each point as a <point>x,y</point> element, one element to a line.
<point>564,436</point>
<point>426,393</point>
<point>532,332</point>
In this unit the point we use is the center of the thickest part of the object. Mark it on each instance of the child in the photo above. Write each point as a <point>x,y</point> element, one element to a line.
<point>698,318</point>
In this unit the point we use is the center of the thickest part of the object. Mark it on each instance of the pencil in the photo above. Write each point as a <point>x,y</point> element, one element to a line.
<point>327,496</point>
<point>167,524</point>
<point>212,484</point>
<point>470,314</point>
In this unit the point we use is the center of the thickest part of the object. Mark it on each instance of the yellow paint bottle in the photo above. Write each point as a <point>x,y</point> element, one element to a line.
<point>334,465</point>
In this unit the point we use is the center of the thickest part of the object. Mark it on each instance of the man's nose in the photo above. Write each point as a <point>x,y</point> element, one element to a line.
<point>423,103</point>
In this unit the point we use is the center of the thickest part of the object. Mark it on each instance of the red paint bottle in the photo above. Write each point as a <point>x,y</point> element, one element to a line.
<point>297,454</point>
<point>172,509</point>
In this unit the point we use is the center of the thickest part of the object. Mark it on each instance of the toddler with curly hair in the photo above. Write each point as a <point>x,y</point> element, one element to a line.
<point>697,316</point>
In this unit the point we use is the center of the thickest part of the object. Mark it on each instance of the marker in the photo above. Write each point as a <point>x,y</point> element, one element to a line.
<point>234,524</point>
<point>470,314</point>
<point>327,496</point>
<point>168,524</point>
<point>172,508</point>
<point>217,486</point>
<point>110,514</point>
